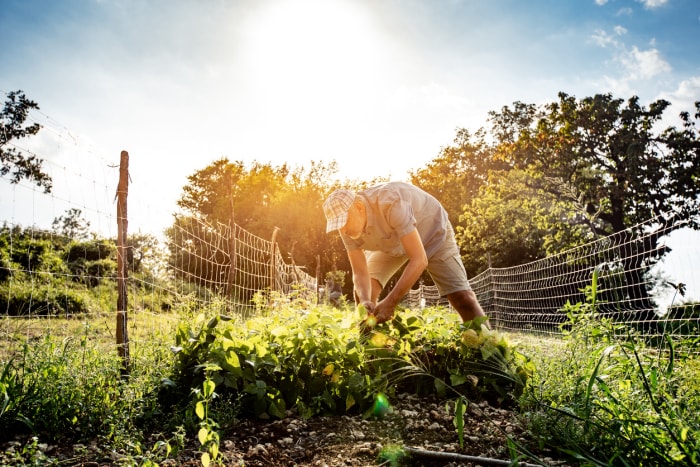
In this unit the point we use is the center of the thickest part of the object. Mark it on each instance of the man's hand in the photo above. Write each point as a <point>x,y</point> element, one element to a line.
<point>367,324</point>
<point>384,311</point>
<point>367,306</point>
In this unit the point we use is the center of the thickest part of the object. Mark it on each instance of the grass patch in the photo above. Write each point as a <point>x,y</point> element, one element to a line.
<point>607,398</point>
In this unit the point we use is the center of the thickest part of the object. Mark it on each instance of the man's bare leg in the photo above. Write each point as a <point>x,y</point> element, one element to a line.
<point>466,304</point>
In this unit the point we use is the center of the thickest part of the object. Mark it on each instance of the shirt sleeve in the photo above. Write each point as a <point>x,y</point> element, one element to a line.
<point>399,215</point>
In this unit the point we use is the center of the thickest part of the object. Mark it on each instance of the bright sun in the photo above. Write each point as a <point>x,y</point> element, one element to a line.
<point>308,60</point>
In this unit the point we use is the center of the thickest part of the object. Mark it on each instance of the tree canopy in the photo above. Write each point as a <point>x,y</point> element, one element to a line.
<point>607,156</point>
<point>545,178</point>
<point>262,198</point>
<point>12,127</point>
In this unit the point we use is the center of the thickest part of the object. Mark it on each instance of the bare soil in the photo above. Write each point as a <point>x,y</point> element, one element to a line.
<point>417,431</point>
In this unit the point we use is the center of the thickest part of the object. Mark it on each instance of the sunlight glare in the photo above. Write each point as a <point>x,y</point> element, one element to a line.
<point>307,60</point>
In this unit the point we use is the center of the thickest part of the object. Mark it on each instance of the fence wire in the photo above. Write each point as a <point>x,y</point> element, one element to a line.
<point>234,263</point>
<point>634,285</point>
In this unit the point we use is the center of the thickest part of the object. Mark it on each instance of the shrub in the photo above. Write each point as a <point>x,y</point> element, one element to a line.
<point>91,250</point>
<point>24,299</point>
<point>315,359</point>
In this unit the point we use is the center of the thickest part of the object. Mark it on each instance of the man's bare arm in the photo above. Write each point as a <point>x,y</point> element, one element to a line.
<point>360,276</point>
<point>417,262</point>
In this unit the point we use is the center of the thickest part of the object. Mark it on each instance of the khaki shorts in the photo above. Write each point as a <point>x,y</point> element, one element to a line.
<point>445,268</point>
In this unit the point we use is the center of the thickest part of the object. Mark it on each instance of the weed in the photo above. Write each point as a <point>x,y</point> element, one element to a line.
<point>610,400</point>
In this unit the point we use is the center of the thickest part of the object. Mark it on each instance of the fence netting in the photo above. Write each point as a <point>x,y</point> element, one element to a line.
<point>241,268</point>
<point>635,284</point>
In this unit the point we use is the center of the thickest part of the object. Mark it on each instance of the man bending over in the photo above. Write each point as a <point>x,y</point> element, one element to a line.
<point>392,224</point>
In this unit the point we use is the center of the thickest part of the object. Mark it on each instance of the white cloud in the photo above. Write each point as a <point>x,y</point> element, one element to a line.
<point>620,30</point>
<point>682,99</point>
<point>651,4</point>
<point>644,64</point>
<point>624,11</point>
<point>603,39</point>
<point>686,94</point>
<point>635,64</point>
<point>601,2</point>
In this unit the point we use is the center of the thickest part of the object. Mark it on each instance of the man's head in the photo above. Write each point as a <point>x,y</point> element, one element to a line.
<point>336,209</point>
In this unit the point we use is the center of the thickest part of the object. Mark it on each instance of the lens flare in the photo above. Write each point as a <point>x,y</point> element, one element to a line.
<point>381,406</point>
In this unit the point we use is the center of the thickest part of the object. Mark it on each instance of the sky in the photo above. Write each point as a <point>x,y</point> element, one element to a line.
<point>378,86</point>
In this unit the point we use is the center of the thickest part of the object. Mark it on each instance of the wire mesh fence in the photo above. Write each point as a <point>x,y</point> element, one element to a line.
<point>643,274</point>
<point>234,263</point>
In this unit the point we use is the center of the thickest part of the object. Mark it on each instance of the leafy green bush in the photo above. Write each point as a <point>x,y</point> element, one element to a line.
<point>35,255</point>
<point>316,361</point>
<point>5,264</point>
<point>90,250</point>
<point>25,298</point>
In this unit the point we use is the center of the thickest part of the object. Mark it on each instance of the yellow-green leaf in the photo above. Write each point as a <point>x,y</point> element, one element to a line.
<point>203,435</point>
<point>209,387</point>
<point>199,410</point>
<point>349,402</point>
<point>328,370</point>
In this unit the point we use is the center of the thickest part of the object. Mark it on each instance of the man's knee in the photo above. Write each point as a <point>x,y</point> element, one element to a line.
<point>462,297</point>
<point>466,304</point>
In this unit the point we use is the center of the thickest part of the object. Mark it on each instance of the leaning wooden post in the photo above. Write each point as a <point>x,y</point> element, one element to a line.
<point>318,278</point>
<point>122,270</point>
<point>273,259</point>
<point>231,249</point>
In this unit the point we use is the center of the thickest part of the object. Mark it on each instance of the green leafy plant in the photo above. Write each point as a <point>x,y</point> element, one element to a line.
<point>208,434</point>
<point>607,399</point>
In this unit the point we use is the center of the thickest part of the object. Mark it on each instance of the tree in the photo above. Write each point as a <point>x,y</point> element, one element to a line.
<point>455,176</point>
<point>257,198</point>
<point>225,191</point>
<point>612,164</point>
<point>144,254</point>
<point>608,157</point>
<point>14,162</point>
<point>72,225</point>
<point>510,223</point>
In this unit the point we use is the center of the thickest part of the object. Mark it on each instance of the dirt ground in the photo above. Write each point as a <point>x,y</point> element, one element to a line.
<point>417,431</point>
<point>418,423</point>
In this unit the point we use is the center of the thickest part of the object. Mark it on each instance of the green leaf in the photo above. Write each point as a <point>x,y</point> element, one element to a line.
<point>440,387</point>
<point>457,379</point>
<point>275,410</point>
<point>199,410</point>
<point>279,331</point>
<point>460,409</point>
<point>209,387</point>
<point>232,364</point>
<point>349,402</point>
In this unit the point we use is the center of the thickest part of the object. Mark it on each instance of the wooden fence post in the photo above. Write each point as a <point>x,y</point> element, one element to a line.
<point>318,278</point>
<point>273,258</point>
<point>230,280</point>
<point>122,263</point>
